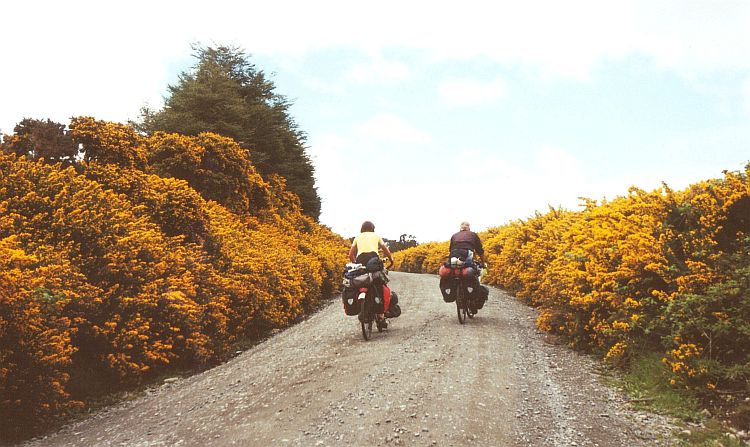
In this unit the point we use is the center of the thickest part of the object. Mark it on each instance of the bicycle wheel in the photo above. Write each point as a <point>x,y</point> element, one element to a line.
<point>367,330</point>
<point>366,317</point>
<point>461,303</point>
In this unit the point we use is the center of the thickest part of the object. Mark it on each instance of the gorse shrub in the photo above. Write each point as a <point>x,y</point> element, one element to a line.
<point>664,271</point>
<point>145,255</point>
<point>424,258</point>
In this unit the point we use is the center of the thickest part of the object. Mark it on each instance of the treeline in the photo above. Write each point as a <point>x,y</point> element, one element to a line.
<point>124,256</point>
<point>662,271</point>
<point>226,94</point>
<point>402,243</point>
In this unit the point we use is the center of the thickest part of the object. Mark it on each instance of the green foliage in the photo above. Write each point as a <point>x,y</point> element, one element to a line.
<point>719,320</point>
<point>226,94</point>
<point>647,383</point>
<point>404,241</point>
<point>41,139</point>
<point>111,274</point>
<point>712,433</point>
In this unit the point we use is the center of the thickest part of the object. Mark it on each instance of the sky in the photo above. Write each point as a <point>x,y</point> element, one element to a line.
<point>423,114</point>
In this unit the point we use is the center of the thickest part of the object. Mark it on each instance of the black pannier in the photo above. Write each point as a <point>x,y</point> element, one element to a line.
<point>448,290</point>
<point>394,310</point>
<point>351,303</point>
<point>374,264</point>
<point>479,297</point>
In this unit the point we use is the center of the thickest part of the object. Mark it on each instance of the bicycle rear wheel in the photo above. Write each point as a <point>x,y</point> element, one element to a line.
<point>366,317</point>
<point>461,304</point>
<point>366,330</point>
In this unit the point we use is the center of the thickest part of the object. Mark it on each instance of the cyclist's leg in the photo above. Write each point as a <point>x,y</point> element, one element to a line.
<point>380,318</point>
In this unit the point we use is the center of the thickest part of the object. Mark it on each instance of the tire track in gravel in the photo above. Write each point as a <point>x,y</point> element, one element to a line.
<point>426,381</point>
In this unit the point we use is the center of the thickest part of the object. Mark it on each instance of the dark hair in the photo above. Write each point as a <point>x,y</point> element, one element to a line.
<point>367,226</point>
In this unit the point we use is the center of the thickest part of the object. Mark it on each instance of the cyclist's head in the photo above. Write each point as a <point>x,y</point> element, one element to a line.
<point>464,225</point>
<point>367,226</point>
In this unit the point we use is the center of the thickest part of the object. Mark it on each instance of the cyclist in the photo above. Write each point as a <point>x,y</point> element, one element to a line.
<point>465,244</point>
<point>364,248</point>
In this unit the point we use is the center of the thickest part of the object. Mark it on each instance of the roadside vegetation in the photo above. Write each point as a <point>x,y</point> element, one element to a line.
<point>129,254</point>
<point>656,283</point>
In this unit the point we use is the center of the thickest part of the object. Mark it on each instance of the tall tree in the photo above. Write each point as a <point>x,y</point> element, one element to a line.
<point>225,93</point>
<point>41,139</point>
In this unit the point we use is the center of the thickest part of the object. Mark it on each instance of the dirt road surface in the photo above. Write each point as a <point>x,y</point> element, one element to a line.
<point>426,381</point>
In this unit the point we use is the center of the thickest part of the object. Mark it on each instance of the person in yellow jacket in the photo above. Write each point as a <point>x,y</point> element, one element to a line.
<point>365,247</point>
<point>367,244</point>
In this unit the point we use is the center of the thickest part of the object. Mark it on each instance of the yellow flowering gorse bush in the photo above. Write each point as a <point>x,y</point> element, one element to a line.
<point>150,254</point>
<point>651,270</point>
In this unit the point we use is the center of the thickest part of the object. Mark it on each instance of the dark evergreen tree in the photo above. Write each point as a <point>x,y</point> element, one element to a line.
<point>41,139</point>
<point>226,94</point>
<point>404,241</point>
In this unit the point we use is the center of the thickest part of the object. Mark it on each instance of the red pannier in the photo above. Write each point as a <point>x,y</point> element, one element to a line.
<point>456,272</point>
<point>386,298</point>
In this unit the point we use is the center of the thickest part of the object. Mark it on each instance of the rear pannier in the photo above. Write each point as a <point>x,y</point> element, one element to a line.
<point>455,272</point>
<point>448,289</point>
<point>394,310</point>
<point>361,280</point>
<point>351,303</point>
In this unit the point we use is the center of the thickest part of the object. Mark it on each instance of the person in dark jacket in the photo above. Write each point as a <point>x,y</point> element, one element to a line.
<point>465,244</point>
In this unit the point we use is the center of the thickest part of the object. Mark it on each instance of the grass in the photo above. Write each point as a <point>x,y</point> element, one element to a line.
<point>711,434</point>
<point>647,385</point>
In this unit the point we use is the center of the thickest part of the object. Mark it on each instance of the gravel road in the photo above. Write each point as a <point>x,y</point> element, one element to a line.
<point>425,381</point>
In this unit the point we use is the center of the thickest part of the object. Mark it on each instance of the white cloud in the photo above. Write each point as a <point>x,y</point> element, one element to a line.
<point>73,52</point>
<point>359,176</point>
<point>552,161</point>
<point>71,58</point>
<point>378,71</point>
<point>566,39</point>
<point>391,128</point>
<point>466,92</point>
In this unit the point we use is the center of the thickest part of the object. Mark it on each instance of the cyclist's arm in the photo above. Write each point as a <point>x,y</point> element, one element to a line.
<point>353,252</point>
<point>386,251</point>
<point>480,250</point>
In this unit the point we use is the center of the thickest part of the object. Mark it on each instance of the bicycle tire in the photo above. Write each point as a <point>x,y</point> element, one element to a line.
<point>366,318</point>
<point>460,303</point>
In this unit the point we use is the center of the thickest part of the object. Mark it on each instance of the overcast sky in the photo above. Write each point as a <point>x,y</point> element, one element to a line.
<point>422,114</point>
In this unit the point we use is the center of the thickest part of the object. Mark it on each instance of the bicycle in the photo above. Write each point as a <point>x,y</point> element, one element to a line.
<point>369,302</point>
<point>366,311</point>
<point>464,288</point>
